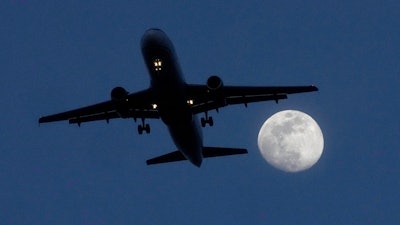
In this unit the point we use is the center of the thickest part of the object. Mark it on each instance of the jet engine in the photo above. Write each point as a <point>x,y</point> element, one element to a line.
<point>214,83</point>
<point>119,94</point>
<point>215,86</point>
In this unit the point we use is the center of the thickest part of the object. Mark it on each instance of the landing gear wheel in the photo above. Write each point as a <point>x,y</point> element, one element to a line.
<point>207,120</point>
<point>203,122</point>
<point>147,128</point>
<point>210,121</point>
<point>144,127</point>
<point>140,129</point>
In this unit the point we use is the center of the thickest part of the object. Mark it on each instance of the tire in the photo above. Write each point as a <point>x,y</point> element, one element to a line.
<point>140,129</point>
<point>203,122</point>
<point>210,121</point>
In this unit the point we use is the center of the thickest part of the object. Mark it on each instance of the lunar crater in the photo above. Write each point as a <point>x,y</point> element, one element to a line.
<point>291,141</point>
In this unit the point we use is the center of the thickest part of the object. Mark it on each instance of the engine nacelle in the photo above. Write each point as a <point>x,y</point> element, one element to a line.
<point>119,94</point>
<point>214,83</point>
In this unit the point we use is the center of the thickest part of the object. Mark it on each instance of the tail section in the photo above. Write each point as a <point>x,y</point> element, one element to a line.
<point>208,152</point>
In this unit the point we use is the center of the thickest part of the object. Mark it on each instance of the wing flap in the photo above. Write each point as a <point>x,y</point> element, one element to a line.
<point>211,105</point>
<point>103,116</point>
<point>149,114</point>
<point>250,99</point>
<point>251,91</point>
<point>103,107</point>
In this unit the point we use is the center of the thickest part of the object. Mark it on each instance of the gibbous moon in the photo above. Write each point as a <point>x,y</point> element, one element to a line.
<point>291,141</point>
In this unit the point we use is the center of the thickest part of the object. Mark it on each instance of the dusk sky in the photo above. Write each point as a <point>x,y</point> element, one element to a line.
<point>61,55</point>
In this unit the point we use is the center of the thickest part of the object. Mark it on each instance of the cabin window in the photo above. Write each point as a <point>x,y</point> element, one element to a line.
<point>157,64</point>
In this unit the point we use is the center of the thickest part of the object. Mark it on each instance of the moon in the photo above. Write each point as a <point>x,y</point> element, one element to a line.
<point>291,141</point>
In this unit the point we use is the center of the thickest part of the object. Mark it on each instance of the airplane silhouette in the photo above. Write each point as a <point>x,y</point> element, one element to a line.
<point>176,102</point>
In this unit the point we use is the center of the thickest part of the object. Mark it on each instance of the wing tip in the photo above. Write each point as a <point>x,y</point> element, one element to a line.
<point>41,120</point>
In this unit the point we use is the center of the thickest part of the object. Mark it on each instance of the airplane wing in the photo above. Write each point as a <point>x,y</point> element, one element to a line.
<point>202,99</point>
<point>136,105</point>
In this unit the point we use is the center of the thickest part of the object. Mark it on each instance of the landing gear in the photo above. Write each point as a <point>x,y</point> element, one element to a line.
<point>207,120</point>
<point>144,127</point>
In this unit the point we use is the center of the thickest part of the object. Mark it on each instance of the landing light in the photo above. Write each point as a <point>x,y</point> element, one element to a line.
<point>157,64</point>
<point>154,106</point>
<point>190,101</point>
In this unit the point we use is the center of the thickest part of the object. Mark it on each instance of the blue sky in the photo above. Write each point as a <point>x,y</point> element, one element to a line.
<point>59,55</point>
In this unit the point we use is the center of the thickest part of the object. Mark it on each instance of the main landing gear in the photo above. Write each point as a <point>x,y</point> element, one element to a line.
<point>144,127</point>
<point>207,120</point>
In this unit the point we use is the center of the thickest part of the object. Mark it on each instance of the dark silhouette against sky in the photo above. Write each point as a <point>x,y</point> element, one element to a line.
<point>58,55</point>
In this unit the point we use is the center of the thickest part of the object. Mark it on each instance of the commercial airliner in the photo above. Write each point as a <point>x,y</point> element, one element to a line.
<point>175,102</point>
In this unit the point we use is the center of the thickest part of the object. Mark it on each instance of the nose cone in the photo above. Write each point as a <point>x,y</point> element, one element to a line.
<point>155,38</point>
<point>152,32</point>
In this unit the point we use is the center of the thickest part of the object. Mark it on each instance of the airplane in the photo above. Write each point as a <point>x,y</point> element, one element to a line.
<point>175,102</point>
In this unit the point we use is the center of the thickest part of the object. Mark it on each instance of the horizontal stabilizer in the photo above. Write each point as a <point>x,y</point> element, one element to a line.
<point>170,157</point>
<point>208,152</point>
<point>218,151</point>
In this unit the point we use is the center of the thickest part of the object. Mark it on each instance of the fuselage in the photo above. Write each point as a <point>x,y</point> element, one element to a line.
<point>168,85</point>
